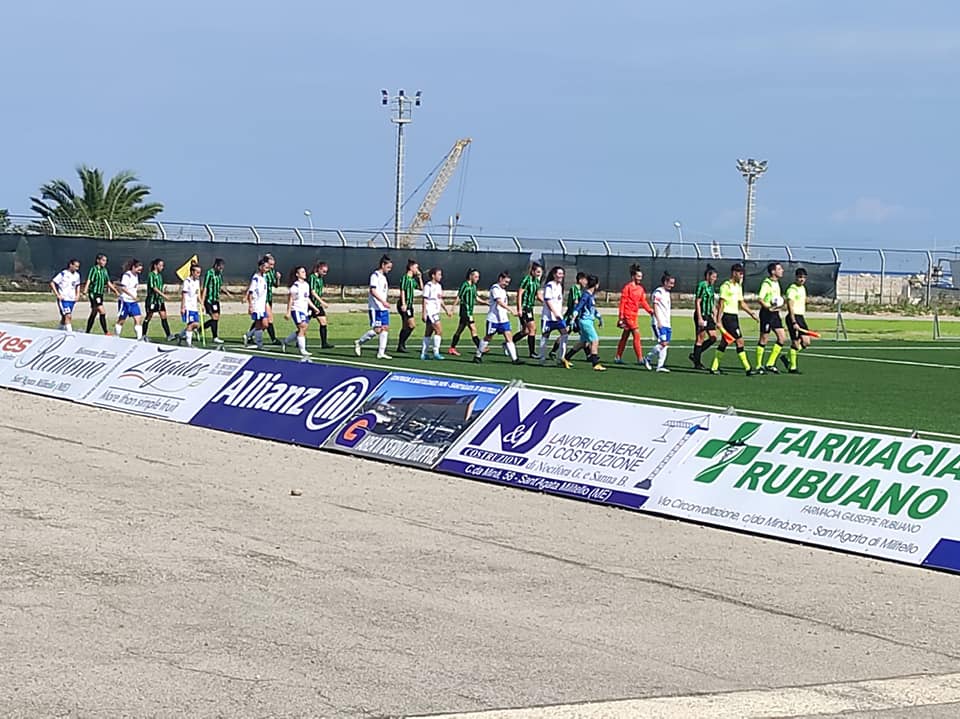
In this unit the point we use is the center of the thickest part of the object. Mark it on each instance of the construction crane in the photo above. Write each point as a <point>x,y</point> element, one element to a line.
<point>433,194</point>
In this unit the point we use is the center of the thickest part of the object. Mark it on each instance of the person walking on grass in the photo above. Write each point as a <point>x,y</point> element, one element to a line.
<point>65,286</point>
<point>317,283</point>
<point>299,307</point>
<point>432,307</point>
<point>156,301</point>
<point>98,281</point>
<point>127,304</point>
<point>467,301</point>
<point>378,307</point>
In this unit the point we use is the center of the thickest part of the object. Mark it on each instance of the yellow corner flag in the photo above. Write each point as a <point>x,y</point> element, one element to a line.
<point>184,271</point>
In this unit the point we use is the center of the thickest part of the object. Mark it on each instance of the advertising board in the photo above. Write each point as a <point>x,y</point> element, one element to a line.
<point>867,493</point>
<point>167,382</point>
<point>55,363</point>
<point>597,450</point>
<point>413,419</point>
<point>294,402</point>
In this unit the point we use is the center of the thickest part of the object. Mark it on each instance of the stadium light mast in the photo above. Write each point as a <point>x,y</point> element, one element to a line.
<point>404,110</point>
<point>751,170</point>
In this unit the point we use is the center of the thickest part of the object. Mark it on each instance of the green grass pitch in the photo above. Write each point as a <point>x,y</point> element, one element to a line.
<point>885,376</point>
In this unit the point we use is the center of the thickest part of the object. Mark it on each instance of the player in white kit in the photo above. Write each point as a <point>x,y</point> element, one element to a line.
<point>257,304</point>
<point>552,316</point>
<point>65,286</point>
<point>190,305</point>
<point>379,309</point>
<point>498,320</point>
<point>660,321</point>
<point>299,309</point>
<point>432,307</point>
<point>127,303</point>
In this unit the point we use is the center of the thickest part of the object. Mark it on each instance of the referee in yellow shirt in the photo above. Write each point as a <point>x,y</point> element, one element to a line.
<point>731,300</point>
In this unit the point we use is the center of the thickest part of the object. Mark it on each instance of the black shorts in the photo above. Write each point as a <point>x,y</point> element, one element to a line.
<point>466,318</point>
<point>526,316</point>
<point>769,321</point>
<point>731,323</point>
<point>156,305</point>
<point>711,325</point>
<point>794,335</point>
<point>211,308</point>
<point>407,314</point>
<point>319,312</point>
<point>96,302</point>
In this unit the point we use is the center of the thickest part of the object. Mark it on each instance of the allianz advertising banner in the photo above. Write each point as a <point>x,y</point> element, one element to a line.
<point>413,418</point>
<point>868,493</point>
<point>166,382</point>
<point>56,363</point>
<point>598,450</point>
<point>294,402</point>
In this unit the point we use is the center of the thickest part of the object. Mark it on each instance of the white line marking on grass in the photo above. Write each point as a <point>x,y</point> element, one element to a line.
<point>385,365</point>
<point>882,361</point>
<point>785,702</point>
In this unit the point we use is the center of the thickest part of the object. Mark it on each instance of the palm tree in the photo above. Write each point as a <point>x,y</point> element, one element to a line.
<point>117,211</point>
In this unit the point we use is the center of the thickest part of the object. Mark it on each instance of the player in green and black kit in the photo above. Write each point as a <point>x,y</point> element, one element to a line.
<point>156,300</point>
<point>317,283</point>
<point>409,284</point>
<point>527,298</point>
<point>771,302</point>
<point>704,316</point>
<point>210,297</point>
<point>467,299</point>
<point>573,298</point>
<point>98,280</point>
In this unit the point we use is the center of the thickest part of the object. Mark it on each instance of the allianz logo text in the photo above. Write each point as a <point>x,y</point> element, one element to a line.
<point>265,392</point>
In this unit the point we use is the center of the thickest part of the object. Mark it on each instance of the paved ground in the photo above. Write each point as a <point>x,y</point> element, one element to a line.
<point>150,569</point>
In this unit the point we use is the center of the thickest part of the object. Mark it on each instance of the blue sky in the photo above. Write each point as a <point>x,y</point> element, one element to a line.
<point>604,119</point>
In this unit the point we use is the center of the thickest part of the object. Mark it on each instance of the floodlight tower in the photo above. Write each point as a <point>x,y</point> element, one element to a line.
<point>751,170</point>
<point>404,107</point>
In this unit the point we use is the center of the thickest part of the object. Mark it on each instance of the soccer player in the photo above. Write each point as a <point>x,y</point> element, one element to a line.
<point>379,309</point>
<point>498,320</point>
<point>65,285</point>
<point>633,298</point>
<point>127,301</point>
<point>432,307</point>
<point>704,316</point>
<point>271,277</point>
<point>527,297</point>
<point>662,331</point>
<point>299,308</point>
<point>796,306</point>
<point>98,281</point>
<point>586,316</point>
<point>257,303</point>
<point>551,317</point>
<point>409,284</point>
<point>190,305</point>
<point>770,303</point>
<point>573,297</point>
<point>731,300</point>
<point>467,301</point>
<point>210,297</point>
<point>317,283</point>
<point>156,300</point>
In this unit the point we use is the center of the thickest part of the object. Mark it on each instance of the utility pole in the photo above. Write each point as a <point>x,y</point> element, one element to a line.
<point>751,170</point>
<point>404,109</point>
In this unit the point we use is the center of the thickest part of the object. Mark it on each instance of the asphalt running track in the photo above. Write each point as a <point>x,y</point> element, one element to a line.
<point>162,570</point>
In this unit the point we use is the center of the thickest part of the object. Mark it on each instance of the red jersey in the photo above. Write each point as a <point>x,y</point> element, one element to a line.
<point>633,298</point>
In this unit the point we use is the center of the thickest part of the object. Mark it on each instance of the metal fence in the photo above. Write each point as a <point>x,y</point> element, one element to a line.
<point>870,275</point>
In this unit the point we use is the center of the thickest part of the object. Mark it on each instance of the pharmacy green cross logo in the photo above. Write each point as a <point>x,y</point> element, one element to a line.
<point>731,451</point>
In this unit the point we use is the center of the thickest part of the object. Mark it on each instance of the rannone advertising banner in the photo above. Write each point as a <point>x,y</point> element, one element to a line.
<point>292,402</point>
<point>868,493</point>
<point>598,450</point>
<point>167,382</point>
<point>56,363</point>
<point>413,419</point>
